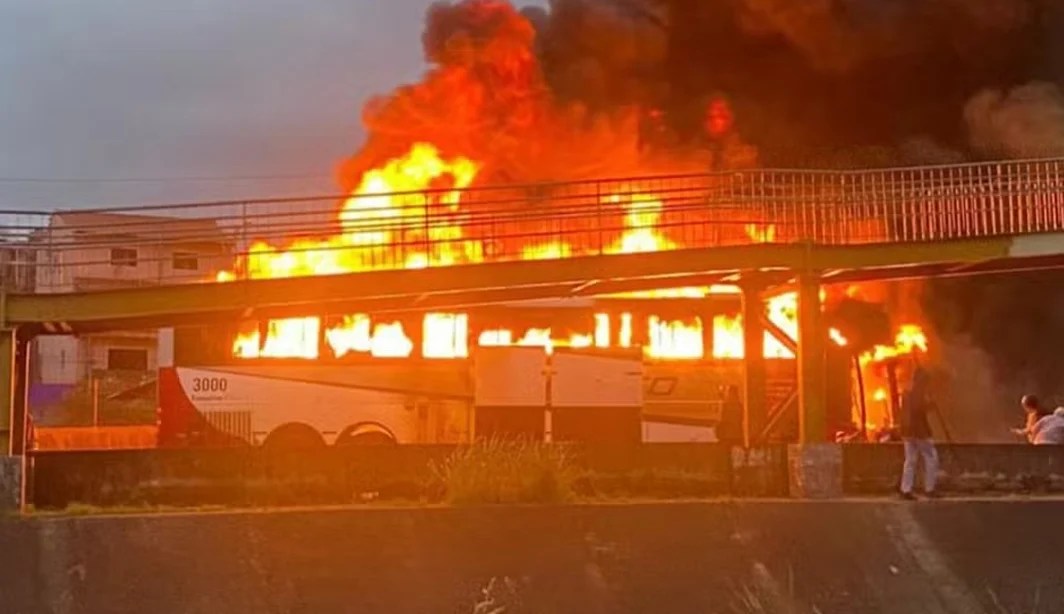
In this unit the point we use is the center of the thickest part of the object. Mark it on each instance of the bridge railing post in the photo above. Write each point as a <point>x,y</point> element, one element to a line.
<point>601,247</point>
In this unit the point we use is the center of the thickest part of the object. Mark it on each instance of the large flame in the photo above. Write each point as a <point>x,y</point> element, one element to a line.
<point>404,215</point>
<point>909,341</point>
<point>386,215</point>
<point>386,211</point>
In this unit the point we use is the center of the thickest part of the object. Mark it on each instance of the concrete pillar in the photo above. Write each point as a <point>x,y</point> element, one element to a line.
<point>20,400</point>
<point>815,466</point>
<point>754,375</point>
<point>812,362</point>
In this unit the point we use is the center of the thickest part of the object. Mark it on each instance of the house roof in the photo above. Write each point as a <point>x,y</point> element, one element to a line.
<point>139,226</point>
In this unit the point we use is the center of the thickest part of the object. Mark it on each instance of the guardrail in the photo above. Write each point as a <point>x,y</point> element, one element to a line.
<point>171,244</point>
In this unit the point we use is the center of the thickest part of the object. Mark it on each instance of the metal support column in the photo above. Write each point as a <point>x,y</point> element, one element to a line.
<point>14,372</point>
<point>7,389</point>
<point>754,375</point>
<point>812,362</point>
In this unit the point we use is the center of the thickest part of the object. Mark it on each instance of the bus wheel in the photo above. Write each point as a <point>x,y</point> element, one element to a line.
<point>365,435</point>
<point>293,437</point>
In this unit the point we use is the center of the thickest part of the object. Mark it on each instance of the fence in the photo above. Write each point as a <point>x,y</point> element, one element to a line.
<point>171,244</point>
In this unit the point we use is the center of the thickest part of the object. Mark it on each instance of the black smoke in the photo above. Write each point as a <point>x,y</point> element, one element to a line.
<point>842,83</point>
<point>550,94</point>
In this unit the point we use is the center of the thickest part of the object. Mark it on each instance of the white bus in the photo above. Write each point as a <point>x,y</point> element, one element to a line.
<point>603,394</point>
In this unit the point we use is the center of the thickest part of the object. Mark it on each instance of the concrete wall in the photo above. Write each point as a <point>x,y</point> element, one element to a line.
<point>338,475</point>
<point>965,468</point>
<point>10,482</point>
<point>828,557</point>
<point>253,476</point>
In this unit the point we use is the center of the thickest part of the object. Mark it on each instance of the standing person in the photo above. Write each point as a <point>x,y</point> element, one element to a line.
<point>916,436</point>
<point>730,427</point>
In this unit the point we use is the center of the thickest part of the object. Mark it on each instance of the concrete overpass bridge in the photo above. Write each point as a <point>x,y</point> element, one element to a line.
<point>440,249</point>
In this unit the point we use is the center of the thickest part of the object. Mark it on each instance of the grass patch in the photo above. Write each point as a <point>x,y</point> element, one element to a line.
<point>494,471</point>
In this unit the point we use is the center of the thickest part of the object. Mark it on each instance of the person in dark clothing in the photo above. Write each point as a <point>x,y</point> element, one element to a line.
<point>730,428</point>
<point>916,435</point>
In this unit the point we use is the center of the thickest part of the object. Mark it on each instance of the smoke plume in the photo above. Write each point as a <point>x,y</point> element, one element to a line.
<point>525,104</point>
<point>598,87</point>
<point>1025,122</point>
<point>841,35</point>
<point>977,406</point>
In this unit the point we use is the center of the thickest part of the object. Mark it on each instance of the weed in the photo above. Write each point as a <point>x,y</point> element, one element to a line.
<point>506,471</point>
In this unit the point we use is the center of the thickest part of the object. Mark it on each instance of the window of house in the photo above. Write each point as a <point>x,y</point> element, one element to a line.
<point>185,261</point>
<point>124,256</point>
<point>124,359</point>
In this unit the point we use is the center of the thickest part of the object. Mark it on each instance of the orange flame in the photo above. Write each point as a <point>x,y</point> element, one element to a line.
<point>390,207</point>
<point>385,209</point>
<point>675,338</point>
<point>910,339</point>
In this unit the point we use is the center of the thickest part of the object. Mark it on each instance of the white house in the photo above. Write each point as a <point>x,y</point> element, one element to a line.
<point>91,251</point>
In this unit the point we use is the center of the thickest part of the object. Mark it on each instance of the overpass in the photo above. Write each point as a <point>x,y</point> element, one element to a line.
<point>436,249</point>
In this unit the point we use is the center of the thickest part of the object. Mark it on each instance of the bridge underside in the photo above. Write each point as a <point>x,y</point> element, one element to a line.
<point>491,283</point>
<point>752,267</point>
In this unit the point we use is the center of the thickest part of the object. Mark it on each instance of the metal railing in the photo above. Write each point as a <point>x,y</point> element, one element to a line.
<point>84,250</point>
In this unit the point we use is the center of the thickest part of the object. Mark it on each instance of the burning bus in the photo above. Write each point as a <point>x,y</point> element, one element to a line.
<point>606,370</point>
<point>653,365</point>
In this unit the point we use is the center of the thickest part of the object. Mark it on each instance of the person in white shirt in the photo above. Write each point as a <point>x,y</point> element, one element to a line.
<point>1049,430</point>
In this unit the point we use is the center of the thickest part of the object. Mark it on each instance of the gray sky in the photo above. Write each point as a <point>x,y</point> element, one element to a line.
<point>196,88</point>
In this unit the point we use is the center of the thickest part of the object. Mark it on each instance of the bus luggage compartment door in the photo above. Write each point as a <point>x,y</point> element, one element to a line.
<point>595,396</point>
<point>509,392</point>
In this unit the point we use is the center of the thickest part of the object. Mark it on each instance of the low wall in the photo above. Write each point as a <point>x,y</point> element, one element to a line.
<point>247,476</point>
<point>254,476</point>
<point>795,557</point>
<point>10,482</point>
<point>964,468</point>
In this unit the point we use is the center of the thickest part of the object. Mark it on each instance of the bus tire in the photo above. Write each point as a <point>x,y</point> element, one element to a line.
<point>293,436</point>
<point>366,434</point>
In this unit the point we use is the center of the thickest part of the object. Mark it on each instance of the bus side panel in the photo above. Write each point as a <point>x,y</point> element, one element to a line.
<point>510,392</point>
<point>250,407</point>
<point>668,432</point>
<point>449,421</point>
<point>594,380</point>
<point>596,397</point>
<point>510,377</point>
<point>688,392</point>
<point>178,417</point>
